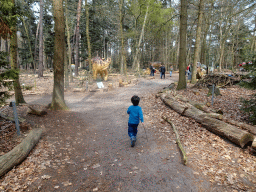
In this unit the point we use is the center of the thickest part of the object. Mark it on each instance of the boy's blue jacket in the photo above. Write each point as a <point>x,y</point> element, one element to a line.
<point>135,114</point>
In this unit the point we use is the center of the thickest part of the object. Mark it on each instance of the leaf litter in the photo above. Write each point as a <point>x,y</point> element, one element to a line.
<point>217,159</point>
<point>222,162</point>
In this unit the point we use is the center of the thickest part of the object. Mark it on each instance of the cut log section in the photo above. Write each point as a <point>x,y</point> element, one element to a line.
<point>232,133</point>
<point>36,111</point>
<point>185,159</point>
<point>254,144</point>
<point>20,152</point>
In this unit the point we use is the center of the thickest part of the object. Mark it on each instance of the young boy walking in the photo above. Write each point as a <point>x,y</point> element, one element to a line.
<point>135,116</point>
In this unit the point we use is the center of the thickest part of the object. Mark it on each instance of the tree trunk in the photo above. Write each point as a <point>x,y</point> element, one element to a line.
<point>121,18</point>
<point>67,53</point>
<point>58,102</point>
<point>77,37</point>
<point>204,45</point>
<point>221,40</point>
<point>183,45</point>
<point>88,35</point>
<point>232,133</point>
<point>13,55</point>
<point>198,39</point>
<point>35,51</point>
<point>41,50</point>
<point>66,67</point>
<point>20,152</point>
<point>135,61</point>
<point>69,46</point>
<point>29,43</point>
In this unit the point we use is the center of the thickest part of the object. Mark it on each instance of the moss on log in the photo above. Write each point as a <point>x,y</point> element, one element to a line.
<point>20,152</point>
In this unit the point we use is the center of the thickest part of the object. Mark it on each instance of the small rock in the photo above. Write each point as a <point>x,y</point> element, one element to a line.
<point>46,177</point>
<point>96,166</point>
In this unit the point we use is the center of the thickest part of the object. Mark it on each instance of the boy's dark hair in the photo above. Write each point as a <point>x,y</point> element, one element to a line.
<point>135,100</point>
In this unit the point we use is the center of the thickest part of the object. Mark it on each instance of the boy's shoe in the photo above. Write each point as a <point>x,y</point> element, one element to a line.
<point>133,142</point>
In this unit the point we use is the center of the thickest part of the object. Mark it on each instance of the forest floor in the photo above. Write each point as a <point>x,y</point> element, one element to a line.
<point>88,149</point>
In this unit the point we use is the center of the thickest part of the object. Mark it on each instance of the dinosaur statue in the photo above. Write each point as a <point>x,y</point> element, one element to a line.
<point>100,66</point>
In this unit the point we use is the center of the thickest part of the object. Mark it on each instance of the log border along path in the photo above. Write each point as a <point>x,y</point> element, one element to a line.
<point>95,154</point>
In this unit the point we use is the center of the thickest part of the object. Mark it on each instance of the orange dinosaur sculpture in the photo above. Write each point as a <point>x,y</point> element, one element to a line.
<point>100,66</point>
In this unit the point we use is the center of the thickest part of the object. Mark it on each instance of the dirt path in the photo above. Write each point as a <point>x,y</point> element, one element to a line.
<point>89,148</point>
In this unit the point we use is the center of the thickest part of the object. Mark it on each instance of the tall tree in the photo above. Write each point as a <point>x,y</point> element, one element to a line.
<point>88,35</point>
<point>121,20</point>
<point>198,39</point>
<point>13,55</point>
<point>41,50</point>
<point>183,45</point>
<point>58,102</point>
<point>136,64</point>
<point>35,55</point>
<point>77,58</point>
<point>68,51</point>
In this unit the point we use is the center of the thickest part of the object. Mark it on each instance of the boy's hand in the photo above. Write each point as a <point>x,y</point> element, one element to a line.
<point>142,123</point>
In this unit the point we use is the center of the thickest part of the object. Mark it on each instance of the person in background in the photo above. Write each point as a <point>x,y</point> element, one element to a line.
<point>162,71</point>
<point>151,70</point>
<point>171,69</point>
<point>188,70</point>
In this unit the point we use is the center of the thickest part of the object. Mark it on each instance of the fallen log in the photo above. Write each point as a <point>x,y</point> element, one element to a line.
<point>251,129</point>
<point>193,105</point>
<point>201,106</point>
<point>11,118</point>
<point>36,111</point>
<point>185,159</point>
<point>232,133</point>
<point>20,152</point>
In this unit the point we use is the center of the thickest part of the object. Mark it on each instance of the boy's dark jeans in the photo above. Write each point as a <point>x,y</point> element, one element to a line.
<point>132,130</point>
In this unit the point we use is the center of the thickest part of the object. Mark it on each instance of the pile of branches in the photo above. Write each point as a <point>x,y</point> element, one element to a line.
<point>220,80</point>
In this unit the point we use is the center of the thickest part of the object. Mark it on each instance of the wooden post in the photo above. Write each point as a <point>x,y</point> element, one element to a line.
<point>16,118</point>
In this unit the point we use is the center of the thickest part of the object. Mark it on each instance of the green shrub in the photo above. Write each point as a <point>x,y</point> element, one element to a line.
<point>6,77</point>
